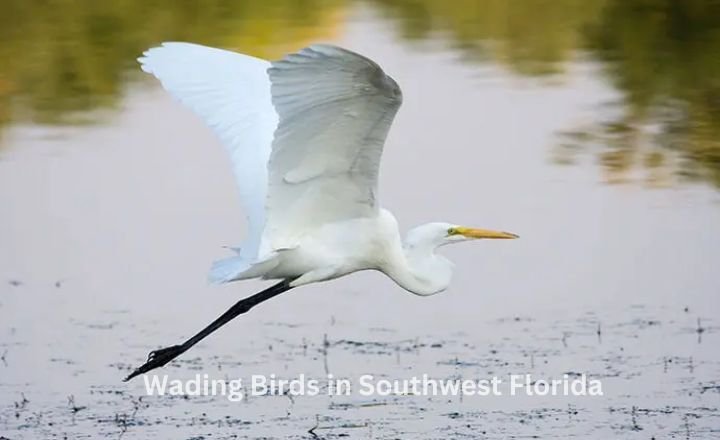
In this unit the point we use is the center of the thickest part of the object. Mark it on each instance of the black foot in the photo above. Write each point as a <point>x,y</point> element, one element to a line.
<point>157,359</point>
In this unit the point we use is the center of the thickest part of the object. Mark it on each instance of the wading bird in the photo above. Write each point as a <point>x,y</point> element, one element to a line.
<point>305,135</point>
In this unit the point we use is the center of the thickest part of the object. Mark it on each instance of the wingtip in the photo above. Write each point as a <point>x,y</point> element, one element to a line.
<point>165,48</point>
<point>142,60</point>
<point>147,53</point>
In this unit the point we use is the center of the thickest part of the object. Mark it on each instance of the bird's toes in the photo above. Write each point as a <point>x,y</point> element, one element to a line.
<point>157,358</point>
<point>164,355</point>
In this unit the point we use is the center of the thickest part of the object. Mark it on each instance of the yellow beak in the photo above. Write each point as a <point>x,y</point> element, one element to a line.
<point>481,233</point>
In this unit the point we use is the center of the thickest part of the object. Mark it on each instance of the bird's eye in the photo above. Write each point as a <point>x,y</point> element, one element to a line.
<point>451,231</point>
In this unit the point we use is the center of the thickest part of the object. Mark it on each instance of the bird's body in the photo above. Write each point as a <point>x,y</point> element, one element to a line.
<point>305,135</point>
<point>371,243</point>
<point>331,251</point>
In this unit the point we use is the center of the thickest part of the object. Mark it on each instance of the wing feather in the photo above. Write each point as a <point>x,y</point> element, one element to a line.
<point>231,93</point>
<point>335,109</point>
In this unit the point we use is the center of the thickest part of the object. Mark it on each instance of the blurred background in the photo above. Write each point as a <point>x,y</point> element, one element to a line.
<point>60,59</point>
<point>590,128</point>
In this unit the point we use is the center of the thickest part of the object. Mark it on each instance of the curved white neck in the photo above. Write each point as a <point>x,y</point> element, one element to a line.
<point>419,270</point>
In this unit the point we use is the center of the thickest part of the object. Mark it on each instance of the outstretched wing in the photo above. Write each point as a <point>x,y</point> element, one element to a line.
<point>231,93</point>
<point>335,109</point>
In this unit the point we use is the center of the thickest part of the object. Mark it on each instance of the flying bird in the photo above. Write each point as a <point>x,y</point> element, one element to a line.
<point>305,135</point>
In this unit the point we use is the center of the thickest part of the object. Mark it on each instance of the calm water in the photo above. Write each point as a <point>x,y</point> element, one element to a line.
<point>591,129</point>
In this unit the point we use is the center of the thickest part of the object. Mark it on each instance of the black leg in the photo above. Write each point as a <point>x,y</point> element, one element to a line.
<point>160,357</point>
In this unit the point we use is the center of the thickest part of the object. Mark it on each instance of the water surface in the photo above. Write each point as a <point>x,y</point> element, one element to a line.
<point>590,131</point>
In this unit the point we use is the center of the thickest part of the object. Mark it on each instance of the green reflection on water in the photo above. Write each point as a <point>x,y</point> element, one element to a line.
<point>530,37</point>
<point>59,58</point>
<point>664,56</point>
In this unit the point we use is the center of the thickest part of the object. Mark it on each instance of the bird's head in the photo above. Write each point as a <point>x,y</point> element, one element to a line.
<point>427,273</point>
<point>441,233</point>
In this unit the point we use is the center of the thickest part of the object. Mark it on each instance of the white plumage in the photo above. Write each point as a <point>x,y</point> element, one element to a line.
<point>231,93</point>
<point>305,135</point>
<point>335,110</point>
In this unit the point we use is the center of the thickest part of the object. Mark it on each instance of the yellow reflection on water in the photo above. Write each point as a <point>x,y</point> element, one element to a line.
<point>61,58</point>
<point>530,37</point>
<point>662,56</point>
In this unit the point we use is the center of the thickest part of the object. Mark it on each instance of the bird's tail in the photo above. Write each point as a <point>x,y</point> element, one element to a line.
<point>238,268</point>
<point>227,270</point>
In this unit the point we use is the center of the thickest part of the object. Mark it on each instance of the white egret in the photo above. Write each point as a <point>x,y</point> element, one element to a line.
<point>305,135</point>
